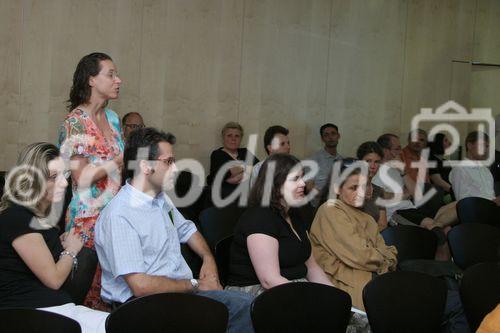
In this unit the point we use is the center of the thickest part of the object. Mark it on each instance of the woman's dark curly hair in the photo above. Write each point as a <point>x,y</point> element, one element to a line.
<point>284,163</point>
<point>90,65</point>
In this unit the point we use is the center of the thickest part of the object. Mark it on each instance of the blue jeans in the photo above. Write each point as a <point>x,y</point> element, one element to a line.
<point>238,305</point>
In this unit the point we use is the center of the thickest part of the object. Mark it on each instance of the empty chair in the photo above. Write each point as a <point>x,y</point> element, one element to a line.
<point>169,312</point>
<point>222,257</point>
<point>301,307</point>
<point>478,210</point>
<point>473,243</point>
<point>218,223</point>
<point>405,302</point>
<point>36,321</point>
<point>411,242</point>
<point>480,292</point>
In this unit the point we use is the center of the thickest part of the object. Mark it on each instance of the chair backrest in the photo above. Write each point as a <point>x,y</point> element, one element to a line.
<point>301,307</point>
<point>169,312</point>
<point>218,223</point>
<point>36,321</point>
<point>478,210</point>
<point>473,243</point>
<point>192,259</point>
<point>411,242</point>
<point>222,257</point>
<point>78,284</point>
<point>480,292</point>
<point>405,302</point>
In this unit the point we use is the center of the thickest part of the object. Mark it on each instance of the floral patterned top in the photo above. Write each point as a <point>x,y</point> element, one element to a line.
<point>79,135</point>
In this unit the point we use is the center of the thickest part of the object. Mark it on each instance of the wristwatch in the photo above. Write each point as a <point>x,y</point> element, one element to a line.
<point>195,284</point>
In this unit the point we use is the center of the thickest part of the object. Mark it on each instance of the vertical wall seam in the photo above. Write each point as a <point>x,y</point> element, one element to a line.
<point>242,45</point>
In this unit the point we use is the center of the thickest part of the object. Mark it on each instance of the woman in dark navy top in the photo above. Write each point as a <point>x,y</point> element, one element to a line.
<point>271,245</point>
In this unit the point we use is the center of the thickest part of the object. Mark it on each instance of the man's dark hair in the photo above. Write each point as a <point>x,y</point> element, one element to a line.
<point>284,164</point>
<point>124,119</point>
<point>270,133</point>
<point>325,126</point>
<point>385,140</point>
<point>367,148</point>
<point>148,137</point>
<point>472,137</point>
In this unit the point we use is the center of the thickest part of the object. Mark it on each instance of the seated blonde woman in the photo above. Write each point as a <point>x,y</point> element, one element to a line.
<point>346,241</point>
<point>34,260</point>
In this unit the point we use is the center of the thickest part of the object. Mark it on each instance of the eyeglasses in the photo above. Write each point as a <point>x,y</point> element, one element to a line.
<point>135,126</point>
<point>65,174</point>
<point>168,161</point>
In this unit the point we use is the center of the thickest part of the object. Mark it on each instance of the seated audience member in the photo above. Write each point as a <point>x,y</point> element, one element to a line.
<point>130,122</point>
<point>471,178</point>
<point>139,234</point>
<point>275,141</point>
<point>34,260</point>
<point>371,153</point>
<point>411,153</point>
<point>405,209</point>
<point>392,152</point>
<point>271,246</point>
<point>439,175</point>
<point>325,158</point>
<point>232,133</point>
<point>346,242</point>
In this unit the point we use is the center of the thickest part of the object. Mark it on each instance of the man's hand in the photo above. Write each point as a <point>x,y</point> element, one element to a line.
<point>209,268</point>
<point>209,283</point>
<point>209,273</point>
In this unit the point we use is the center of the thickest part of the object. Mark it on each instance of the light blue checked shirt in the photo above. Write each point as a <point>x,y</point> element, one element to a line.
<point>135,234</point>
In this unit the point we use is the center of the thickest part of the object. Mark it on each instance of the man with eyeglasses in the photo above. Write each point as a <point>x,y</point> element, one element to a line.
<point>138,235</point>
<point>130,122</point>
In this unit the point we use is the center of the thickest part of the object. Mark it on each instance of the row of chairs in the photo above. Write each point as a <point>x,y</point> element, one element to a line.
<point>395,302</point>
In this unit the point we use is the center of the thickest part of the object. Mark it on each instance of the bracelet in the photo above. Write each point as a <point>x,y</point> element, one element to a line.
<point>75,260</point>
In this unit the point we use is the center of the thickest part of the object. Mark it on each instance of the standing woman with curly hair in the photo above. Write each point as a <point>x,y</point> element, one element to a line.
<point>92,141</point>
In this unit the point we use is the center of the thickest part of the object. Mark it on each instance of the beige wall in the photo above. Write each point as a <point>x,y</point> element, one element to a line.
<point>191,65</point>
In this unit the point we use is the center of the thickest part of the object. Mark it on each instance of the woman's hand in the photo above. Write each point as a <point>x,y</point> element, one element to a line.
<point>72,241</point>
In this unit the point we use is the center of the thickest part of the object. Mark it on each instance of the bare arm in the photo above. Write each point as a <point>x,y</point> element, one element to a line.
<point>208,269</point>
<point>142,284</point>
<point>382,220</point>
<point>263,251</point>
<point>84,173</point>
<point>437,180</point>
<point>315,273</point>
<point>36,255</point>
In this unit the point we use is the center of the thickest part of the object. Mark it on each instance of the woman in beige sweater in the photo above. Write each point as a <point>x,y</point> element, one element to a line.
<point>346,242</point>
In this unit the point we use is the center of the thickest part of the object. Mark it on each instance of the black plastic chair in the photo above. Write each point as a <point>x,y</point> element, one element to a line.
<point>36,321</point>
<point>473,243</point>
<point>184,181</point>
<point>405,302</point>
<point>218,223</point>
<point>301,307</point>
<point>169,312</point>
<point>222,257</point>
<point>480,292</point>
<point>478,210</point>
<point>411,242</point>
